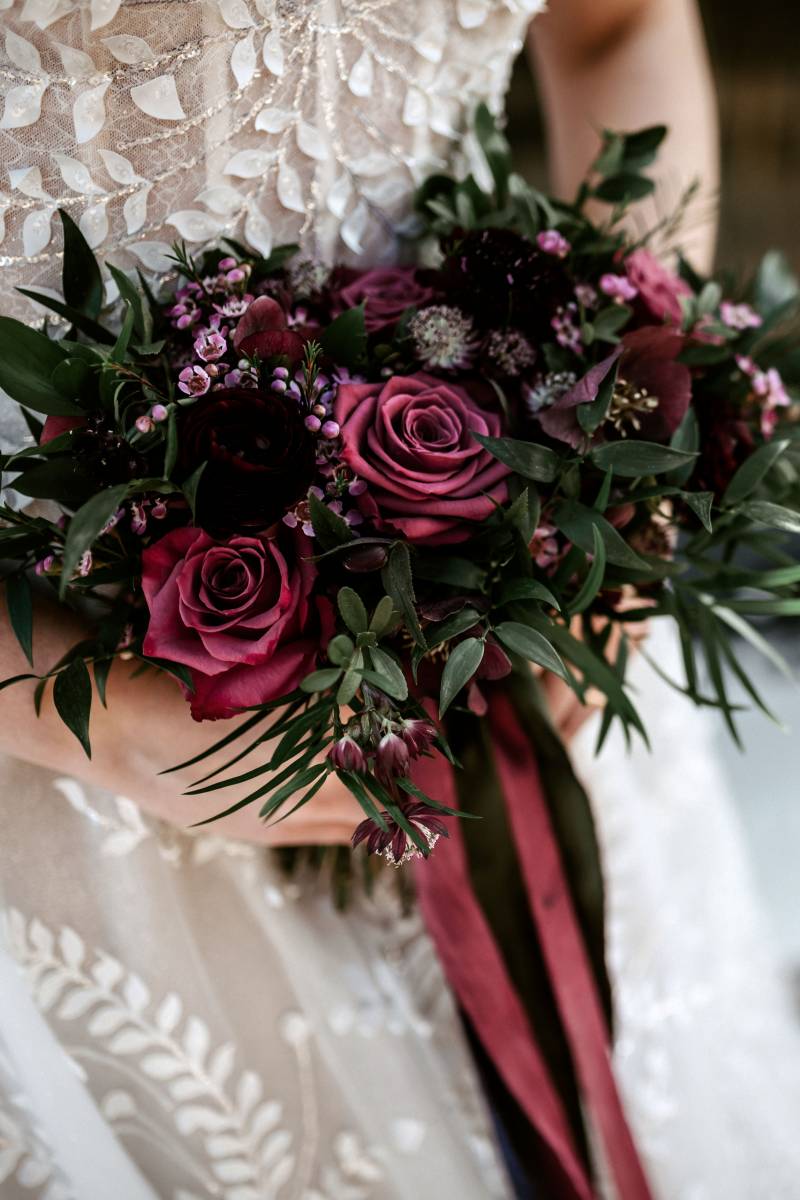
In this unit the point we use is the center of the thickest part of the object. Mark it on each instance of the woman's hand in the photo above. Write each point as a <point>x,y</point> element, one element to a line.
<point>147,729</point>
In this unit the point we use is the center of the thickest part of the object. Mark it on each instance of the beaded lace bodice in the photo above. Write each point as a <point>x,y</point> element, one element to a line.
<point>265,120</point>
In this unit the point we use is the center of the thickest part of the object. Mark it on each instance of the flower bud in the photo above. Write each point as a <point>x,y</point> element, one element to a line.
<point>367,558</point>
<point>392,756</point>
<point>347,755</point>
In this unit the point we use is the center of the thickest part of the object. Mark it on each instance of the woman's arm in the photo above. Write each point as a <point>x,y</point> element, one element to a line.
<point>626,64</point>
<point>146,729</point>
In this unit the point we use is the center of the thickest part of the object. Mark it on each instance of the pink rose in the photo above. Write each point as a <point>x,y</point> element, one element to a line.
<point>659,288</point>
<point>411,440</point>
<point>262,330</point>
<point>386,294</point>
<point>237,613</point>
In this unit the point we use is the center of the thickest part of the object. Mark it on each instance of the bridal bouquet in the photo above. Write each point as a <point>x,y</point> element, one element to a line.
<point>345,502</point>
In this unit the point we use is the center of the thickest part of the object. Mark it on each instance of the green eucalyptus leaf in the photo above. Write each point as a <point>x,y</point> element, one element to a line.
<point>594,578</point>
<point>466,618</point>
<point>86,525</point>
<point>701,504</point>
<point>777,516</point>
<point>143,322</point>
<point>527,589</point>
<point>345,339</point>
<point>72,377</point>
<point>752,471</point>
<point>631,458</point>
<point>399,584</point>
<point>72,695</point>
<point>577,523</point>
<point>190,486</point>
<point>320,681</point>
<point>341,649</point>
<point>27,362</point>
<point>330,529</point>
<point>451,570</point>
<point>351,606</point>
<point>531,644</point>
<point>350,684</point>
<point>120,348</point>
<point>776,283</point>
<point>607,323</point>
<point>82,283</point>
<point>19,601</point>
<point>87,325</point>
<point>61,479</point>
<point>528,459</point>
<point>390,674</point>
<point>624,188</point>
<point>383,616</point>
<point>461,665</point>
<point>171,441</point>
<point>686,439</point>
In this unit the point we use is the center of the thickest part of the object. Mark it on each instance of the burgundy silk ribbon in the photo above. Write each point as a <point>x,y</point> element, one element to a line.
<point>479,978</point>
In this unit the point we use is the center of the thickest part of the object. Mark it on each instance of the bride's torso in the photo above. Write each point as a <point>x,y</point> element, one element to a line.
<point>264,120</point>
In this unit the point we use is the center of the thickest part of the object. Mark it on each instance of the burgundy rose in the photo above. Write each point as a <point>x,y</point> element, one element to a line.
<point>411,439</point>
<point>651,396</point>
<point>259,456</point>
<point>386,293</point>
<point>262,330</point>
<point>237,613</point>
<point>659,288</point>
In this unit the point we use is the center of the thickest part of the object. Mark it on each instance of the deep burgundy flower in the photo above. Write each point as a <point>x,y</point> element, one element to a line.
<point>239,613</point>
<point>726,441</point>
<point>393,842</point>
<point>386,294</point>
<point>260,456</point>
<point>411,440</point>
<point>391,757</point>
<point>346,755</point>
<point>262,331</point>
<point>650,399</point>
<point>418,735</point>
<point>498,276</point>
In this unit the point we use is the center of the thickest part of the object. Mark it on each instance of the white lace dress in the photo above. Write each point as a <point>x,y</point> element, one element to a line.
<point>175,1020</point>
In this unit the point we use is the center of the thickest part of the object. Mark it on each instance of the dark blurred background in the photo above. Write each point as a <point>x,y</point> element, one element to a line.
<point>755,56</point>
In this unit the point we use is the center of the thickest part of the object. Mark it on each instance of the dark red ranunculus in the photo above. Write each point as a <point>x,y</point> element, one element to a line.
<point>262,330</point>
<point>498,276</point>
<point>386,293</point>
<point>260,457</point>
<point>238,613</point>
<point>648,369</point>
<point>411,439</point>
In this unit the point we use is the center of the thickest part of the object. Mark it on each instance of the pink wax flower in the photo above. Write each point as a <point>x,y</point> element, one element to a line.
<point>550,241</point>
<point>739,316</point>
<point>618,288</point>
<point>209,346</point>
<point>194,381</point>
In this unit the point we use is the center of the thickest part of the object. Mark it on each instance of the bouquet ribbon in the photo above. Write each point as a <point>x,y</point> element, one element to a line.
<point>478,975</point>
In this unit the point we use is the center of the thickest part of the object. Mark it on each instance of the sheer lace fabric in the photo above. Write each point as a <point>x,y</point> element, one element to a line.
<point>269,120</point>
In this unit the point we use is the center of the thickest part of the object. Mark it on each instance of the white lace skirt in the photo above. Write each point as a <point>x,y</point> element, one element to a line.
<point>176,1021</point>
